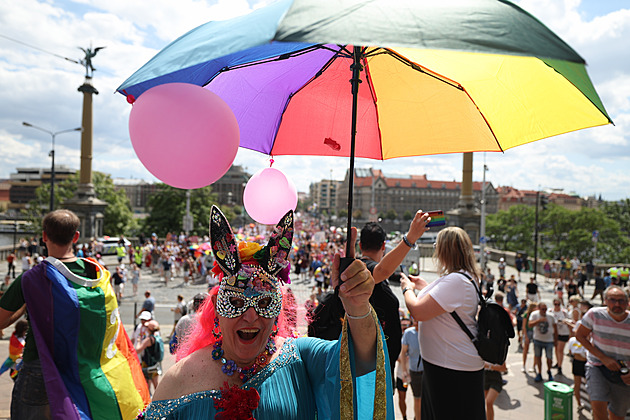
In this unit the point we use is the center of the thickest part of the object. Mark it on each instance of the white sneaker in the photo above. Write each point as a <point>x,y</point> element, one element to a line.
<point>523,369</point>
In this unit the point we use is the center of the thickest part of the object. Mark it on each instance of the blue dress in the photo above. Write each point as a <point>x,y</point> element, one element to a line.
<point>303,382</point>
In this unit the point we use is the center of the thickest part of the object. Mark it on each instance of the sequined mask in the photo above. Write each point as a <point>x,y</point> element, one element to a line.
<point>232,303</point>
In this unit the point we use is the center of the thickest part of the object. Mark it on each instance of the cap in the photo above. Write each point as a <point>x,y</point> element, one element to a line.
<point>145,316</point>
<point>501,259</point>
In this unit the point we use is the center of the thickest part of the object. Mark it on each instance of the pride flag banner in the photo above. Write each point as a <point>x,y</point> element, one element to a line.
<point>15,352</point>
<point>90,367</point>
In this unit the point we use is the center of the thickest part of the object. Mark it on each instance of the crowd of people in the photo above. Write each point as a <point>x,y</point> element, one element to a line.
<point>238,347</point>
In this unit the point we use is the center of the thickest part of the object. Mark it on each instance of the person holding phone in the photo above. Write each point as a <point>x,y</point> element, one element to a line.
<point>452,365</point>
<point>382,266</point>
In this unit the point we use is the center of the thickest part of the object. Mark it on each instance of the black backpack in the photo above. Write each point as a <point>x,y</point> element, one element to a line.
<point>494,329</point>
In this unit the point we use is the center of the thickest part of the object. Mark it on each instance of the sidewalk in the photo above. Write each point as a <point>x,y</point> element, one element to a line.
<point>521,399</point>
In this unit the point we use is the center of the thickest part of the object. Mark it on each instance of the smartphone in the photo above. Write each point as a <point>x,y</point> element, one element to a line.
<point>437,218</point>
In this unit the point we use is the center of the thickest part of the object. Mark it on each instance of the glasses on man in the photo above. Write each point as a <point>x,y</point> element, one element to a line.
<point>556,303</point>
<point>614,301</point>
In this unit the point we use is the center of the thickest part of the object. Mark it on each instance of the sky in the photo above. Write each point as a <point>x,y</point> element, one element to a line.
<point>39,86</point>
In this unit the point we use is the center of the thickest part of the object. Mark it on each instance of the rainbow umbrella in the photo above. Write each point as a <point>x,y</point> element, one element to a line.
<point>426,77</point>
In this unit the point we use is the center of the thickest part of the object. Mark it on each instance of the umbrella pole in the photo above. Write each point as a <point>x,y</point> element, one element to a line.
<point>356,79</point>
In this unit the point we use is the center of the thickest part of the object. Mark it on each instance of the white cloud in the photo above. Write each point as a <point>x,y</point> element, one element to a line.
<point>42,89</point>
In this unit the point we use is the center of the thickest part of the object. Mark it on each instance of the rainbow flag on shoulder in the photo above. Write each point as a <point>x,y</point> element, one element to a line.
<point>90,367</point>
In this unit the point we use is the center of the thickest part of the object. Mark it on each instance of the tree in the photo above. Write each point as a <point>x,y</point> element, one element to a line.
<point>118,217</point>
<point>167,206</point>
<point>408,215</point>
<point>565,232</point>
<point>513,229</point>
<point>391,214</point>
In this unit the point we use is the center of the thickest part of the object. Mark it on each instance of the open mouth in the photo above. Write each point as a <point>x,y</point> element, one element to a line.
<point>248,334</point>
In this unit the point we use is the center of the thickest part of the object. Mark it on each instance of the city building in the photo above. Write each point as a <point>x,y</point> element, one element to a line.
<point>230,187</point>
<point>510,196</point>
<point>324,193</point>
<point>137,191</point>
<point>378,194</point>
<point>26,180</point>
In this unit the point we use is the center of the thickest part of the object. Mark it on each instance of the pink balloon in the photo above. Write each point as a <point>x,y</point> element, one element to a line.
<point>268,195</point>
<point>184,134</point>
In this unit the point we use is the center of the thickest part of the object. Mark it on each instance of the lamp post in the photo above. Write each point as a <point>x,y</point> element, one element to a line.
<point>52,155</point>
<point>482,228</point>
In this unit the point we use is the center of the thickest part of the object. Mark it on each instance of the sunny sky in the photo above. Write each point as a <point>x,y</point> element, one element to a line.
<point>39,86</point>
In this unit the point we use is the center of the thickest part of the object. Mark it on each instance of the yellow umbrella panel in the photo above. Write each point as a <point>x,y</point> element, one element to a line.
<point>489,102</point>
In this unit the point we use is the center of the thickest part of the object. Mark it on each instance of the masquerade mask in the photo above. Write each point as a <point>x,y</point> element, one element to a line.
<point>253,283</point>
<point>232,304</point>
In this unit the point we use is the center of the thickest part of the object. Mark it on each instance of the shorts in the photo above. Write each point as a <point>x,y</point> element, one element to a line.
<point>416,383</point>
<point>540,345</point>
<point>600,389</point>
<point>151,371</point>
<point>533,297</point>
<point>492,379</point>
<point>579,368</point>
<point>563,338</point>
<point>400,385</point>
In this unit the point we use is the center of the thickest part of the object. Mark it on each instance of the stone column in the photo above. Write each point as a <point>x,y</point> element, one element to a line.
<point>85,204</point>
<point>466,215</point>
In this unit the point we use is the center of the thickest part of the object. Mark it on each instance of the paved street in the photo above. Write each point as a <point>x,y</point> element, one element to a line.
<point>521,399</point>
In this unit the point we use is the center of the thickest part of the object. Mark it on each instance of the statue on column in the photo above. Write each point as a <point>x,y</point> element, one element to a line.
<point>87,60</point>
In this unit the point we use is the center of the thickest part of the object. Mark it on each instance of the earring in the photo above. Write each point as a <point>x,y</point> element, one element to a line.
<point>274,330</point>
<point>216,330</point>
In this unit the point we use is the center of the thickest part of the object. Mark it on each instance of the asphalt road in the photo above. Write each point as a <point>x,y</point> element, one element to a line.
<point>521,399</point>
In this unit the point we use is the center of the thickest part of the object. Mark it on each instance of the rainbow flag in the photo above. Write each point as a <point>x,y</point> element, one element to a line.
<point>15,352</point>
<point>90,367</point>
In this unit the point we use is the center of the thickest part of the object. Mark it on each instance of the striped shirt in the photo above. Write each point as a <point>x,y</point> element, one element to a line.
<point>610,336</point>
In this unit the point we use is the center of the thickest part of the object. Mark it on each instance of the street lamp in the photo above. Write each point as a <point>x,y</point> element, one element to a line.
<point>52,155</point>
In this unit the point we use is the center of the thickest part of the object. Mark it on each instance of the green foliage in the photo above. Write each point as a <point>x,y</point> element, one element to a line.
<point>167,206</point>
<point>565,232</point>
<point>342,213</point>
<point>408,215</point>
<point>118,217</point>
<point>391,214</point>
<point>512,229</point>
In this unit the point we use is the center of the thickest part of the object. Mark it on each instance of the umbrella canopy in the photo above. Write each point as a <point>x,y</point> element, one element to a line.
<point>455,76</point>
<point>427,77</point>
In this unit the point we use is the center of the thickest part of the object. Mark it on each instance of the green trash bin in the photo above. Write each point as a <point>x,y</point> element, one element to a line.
<point>558,401</point>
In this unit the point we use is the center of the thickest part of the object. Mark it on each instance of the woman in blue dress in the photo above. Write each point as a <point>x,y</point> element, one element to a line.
<point>243,360</point>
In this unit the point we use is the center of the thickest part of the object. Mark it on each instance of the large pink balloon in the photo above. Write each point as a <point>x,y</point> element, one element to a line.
<point>268,195</point>
<point>184,134</point>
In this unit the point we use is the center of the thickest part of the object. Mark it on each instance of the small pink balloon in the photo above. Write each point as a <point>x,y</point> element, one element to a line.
<point>268,195</point>
<point>184,134</point>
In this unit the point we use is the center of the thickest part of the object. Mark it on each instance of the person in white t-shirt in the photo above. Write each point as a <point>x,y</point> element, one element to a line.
<point>545,338</point>
<point>452,366</point>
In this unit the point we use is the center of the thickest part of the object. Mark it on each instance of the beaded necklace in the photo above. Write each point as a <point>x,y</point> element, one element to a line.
<point>229,367</point>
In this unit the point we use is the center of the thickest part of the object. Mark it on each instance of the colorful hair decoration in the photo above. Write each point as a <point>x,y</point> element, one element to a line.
<point>250,273</point>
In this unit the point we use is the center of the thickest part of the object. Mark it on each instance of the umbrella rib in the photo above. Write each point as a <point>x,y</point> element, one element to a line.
<point>284,56</point>
<point>419,68</point>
